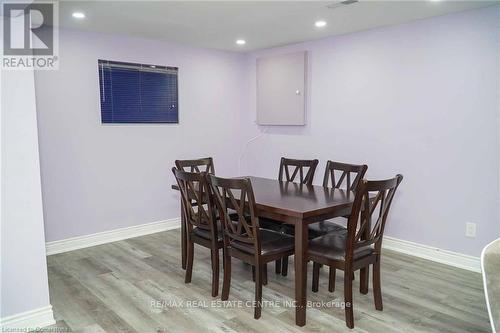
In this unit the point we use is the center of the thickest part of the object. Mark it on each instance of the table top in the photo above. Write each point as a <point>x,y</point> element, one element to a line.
<point>298,201</point>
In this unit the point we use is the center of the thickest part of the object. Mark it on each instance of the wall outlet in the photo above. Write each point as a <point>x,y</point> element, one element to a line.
<point>470,230</point>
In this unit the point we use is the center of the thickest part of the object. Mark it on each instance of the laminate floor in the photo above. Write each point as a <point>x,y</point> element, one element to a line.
<point>137,285</point>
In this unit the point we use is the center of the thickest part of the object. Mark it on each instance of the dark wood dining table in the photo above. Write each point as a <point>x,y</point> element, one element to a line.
<point>299,205</point>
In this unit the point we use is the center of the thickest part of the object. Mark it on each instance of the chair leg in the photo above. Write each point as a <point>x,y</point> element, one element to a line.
<point>377,288</point>
<point>349,315</point>
<point>183,239</point>
<point>226,283</point>
<point>278,266</point>
<point>189,259</point>
<point>253,273</point>
<point>284,266</point>
<point>363,280</point>
<point>264,274</point>
<point>258,291</point>
<point>315,279</point>
<point>331,279</point>
<point>215,272</point>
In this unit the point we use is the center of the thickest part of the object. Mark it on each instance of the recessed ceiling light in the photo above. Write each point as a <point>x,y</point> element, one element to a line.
<point>78,15</point>
<point>241,42</point>
<point>320,24</point>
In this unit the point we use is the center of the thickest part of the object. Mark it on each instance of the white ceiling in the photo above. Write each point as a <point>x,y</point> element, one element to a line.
<point>263,24</point>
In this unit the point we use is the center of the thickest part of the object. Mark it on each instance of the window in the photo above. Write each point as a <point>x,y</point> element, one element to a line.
<point>138,93</point>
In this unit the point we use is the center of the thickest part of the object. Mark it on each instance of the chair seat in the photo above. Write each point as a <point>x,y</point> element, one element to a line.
<point>315,229</point>
<point>205,233</point>
<point>332,246</point>
<point>282,228</point>
<point>233,215</point>
<point>272,242</point>
<point>271,224</point>
<point>325,227</point>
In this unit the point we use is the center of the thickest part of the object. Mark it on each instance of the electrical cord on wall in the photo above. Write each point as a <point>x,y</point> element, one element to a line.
<point>240,158</point>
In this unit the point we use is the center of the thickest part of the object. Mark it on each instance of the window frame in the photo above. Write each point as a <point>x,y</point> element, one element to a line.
<point>108,65</point>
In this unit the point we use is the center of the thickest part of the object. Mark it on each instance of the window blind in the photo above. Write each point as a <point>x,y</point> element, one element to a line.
<point>138,93</point>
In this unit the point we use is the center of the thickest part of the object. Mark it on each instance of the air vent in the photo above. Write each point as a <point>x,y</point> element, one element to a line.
<point>341,3</point>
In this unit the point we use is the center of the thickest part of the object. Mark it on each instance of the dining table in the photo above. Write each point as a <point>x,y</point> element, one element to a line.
<point>299,205</point>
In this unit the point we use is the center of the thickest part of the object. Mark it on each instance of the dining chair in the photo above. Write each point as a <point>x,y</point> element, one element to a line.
<point>194,165</point>
<point>201,222</point>
<point>361,246</point>
<point>291,170</point>
<point>243,238</point>
<point>197,165</point>
<point>341,176</point>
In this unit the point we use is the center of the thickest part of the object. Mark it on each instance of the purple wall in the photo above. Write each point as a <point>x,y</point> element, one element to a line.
<point>23,266</point>
<point>419,99</point>
<point>103,177</point>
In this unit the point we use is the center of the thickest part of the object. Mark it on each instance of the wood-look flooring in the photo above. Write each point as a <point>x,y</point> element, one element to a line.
<point>137,285</point>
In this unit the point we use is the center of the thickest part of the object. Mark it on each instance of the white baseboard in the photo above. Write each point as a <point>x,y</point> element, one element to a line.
<point>104,237</point>
<point>414,249</point>
<point>432,253</point>
<point>28,321</point>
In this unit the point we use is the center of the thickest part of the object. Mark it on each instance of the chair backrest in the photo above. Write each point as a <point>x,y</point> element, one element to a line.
<point>339,174</point>
<point>237,194</point>
<point>197,200</point>
<point>198,165</point>
<point>373,199</point>
<point>290,169</point>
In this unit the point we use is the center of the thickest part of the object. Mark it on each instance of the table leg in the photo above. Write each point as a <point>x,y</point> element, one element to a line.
<point>183,238</point>
<point>301,242</point>
<point>365,271</point>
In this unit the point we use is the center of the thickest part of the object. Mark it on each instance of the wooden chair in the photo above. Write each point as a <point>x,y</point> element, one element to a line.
<point>361,246</point>
<point>342,176</point>
<point>201,225</point>
<point>291,170</point>
<point>243,238</point>
<point>197,165</point>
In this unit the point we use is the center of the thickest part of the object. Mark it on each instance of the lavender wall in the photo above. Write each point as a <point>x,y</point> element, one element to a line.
<point>419,99</point>
<point>23,266</point>
<point>103,177</point>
